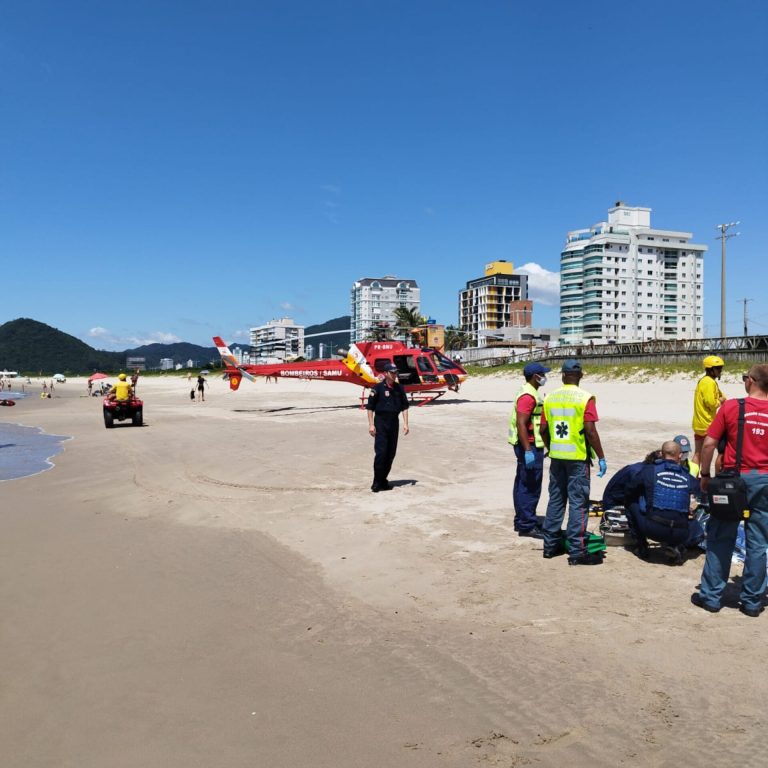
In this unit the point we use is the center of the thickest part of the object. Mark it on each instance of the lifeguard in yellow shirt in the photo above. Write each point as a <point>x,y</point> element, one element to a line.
<point>706,400</point>
<point>122,390</point>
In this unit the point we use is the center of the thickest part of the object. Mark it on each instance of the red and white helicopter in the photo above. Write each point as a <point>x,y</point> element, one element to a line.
<point>420,370</point>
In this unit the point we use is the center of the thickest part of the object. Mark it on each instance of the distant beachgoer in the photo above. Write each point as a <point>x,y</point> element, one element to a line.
<point>134,379</point>
<point>201,387</point>
<point>90,387</point>
<point>45,386</point>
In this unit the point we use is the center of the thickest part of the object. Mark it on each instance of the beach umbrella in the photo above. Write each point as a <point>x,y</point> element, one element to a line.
<point>98,376</point>
<point>60,377</point>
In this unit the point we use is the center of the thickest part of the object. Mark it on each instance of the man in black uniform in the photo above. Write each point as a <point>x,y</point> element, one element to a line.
<point>386,401</point>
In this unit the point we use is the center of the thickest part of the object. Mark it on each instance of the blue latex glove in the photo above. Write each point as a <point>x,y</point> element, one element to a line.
<point>530,459</point>
<point>603,467</point>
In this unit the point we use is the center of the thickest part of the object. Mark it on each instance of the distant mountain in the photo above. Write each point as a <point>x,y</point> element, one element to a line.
<point>179,352</point>
<point>333,341</point>
<point>29,346</point>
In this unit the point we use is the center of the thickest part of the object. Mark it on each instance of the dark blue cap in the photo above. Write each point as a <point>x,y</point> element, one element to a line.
<point>389,367</point>
<point>571,366</point>
<point>535,369</point>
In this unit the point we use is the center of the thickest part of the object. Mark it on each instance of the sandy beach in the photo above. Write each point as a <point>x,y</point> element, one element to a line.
<point>220,588</point>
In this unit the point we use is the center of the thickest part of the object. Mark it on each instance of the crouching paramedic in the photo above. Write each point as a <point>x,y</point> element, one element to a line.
<point>122,390</point>
<point>660,503</point>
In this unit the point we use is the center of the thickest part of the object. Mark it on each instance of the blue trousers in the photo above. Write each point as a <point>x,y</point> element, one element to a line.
<point>568,483</point>
<point>646,525</point>
<point>384,445</point>
<point>526,491</point>
<point>721,539</point>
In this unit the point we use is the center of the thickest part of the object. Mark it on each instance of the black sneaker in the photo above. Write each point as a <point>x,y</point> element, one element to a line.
<point>534,533</point>
<point>550,552</point>
<point>588,558</point>
<point>751,612</point>
<point>698,601</point>
<point>375,488</point>
<point>676,555</point>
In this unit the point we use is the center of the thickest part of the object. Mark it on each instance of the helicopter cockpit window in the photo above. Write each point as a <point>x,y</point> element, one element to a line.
<point>424,365</point>
<point>443,363</point>
<point>378,365</point>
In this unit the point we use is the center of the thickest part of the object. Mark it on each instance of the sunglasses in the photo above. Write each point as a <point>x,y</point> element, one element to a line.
<point>745,376</point>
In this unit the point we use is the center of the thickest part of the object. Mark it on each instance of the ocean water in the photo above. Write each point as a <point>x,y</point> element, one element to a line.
<point>26,450</point>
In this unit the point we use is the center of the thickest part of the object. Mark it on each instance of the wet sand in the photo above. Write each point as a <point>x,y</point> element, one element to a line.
<point>220,588</point>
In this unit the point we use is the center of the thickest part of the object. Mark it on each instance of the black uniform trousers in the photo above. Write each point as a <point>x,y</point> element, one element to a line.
<point>384,446</point>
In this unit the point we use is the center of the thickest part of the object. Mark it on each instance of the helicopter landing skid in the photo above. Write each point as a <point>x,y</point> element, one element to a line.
<point>422,398</point>
<point>416,398</point>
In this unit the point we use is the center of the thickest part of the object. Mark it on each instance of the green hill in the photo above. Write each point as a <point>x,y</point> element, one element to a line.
<point>333,341</point>
<point>28,346</point>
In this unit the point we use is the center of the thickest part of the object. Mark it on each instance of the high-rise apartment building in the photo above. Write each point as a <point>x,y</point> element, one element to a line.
<point>622,280</point>
<point>497,300</point>
<point>374,300</point>
<point>278,339</point>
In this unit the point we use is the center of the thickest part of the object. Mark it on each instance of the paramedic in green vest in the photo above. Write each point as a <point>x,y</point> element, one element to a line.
<point>568,427</point>
<point>524,436</point>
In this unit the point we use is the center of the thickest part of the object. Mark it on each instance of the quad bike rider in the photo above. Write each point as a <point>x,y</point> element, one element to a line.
<point>121,403</point>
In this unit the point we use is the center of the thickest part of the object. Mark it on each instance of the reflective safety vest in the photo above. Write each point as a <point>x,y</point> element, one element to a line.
<point>564,409</point>
<point>527,389</point>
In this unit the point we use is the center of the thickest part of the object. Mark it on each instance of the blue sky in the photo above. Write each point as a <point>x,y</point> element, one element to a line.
<point>174,170</point>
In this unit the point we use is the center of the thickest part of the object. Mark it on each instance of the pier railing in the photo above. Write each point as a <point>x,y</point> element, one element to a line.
<point>734,348</point>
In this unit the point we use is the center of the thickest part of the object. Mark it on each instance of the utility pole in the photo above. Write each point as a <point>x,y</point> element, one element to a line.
<point>746,317</point>
<point>723,237</point>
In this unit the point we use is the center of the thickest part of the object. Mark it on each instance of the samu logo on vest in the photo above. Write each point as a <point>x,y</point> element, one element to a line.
<point>561,429</point>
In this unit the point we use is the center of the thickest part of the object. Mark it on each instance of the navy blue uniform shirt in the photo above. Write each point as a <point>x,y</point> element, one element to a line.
<point>384,399</point>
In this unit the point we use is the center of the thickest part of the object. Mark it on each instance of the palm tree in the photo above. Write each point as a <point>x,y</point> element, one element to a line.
<point>406,320</point>
<point>453,338</point>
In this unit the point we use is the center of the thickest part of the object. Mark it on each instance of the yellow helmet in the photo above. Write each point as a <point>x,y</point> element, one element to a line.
<point>122,377</point>
<point>713,361</point>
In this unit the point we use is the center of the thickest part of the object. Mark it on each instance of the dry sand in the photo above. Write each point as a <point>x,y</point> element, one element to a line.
<point>219,588</point>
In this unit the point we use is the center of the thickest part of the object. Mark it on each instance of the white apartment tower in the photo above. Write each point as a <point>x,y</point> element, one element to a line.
<point>374,300</point>
<point>623,280</point>
<point>278,340</point>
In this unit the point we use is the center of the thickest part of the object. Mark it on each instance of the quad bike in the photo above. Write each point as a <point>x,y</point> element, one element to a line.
<point>121,410</point>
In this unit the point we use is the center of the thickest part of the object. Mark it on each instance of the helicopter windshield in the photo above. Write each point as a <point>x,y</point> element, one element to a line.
<point>443,363</point>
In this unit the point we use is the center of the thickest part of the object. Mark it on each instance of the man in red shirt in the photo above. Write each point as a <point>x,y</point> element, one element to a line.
<point>721,535</point>
<point>526,439</point>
